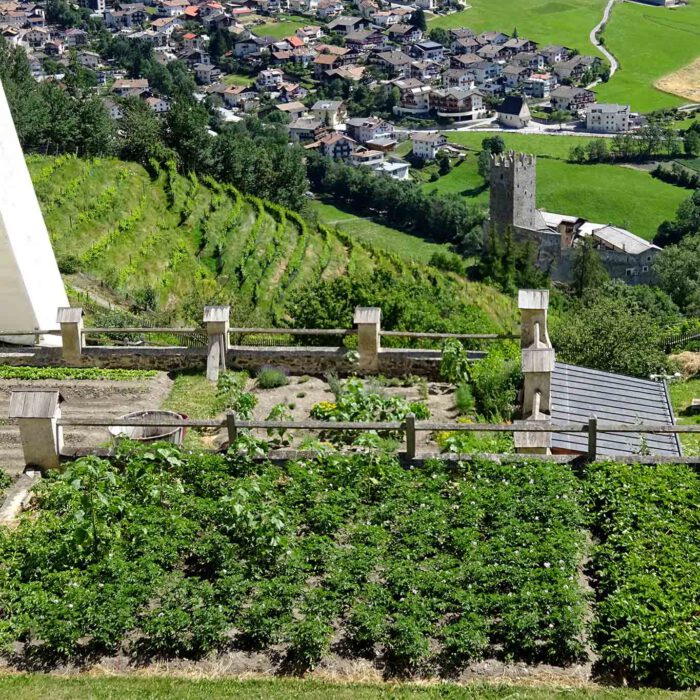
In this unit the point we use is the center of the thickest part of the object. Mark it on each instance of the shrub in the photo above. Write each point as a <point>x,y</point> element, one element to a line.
<point>230,394</point>
<point>271,378</point>
<point>464,399</point>
<point>68,264</point>
<point>454,366</point>
<point>495,382</point>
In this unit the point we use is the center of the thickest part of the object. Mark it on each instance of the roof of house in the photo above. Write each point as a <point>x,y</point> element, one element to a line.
<point>401,29</point>
<point>609,108</point>
<point>295,42</point>
<point>428,136</point>
<point>325,59</point>
<point>291,107</point>
<point>306,123</point>
<point>578,393</point>
<point>619,238</point>
<point>344,21</point>
<point>512,105</point>
<point>327,105</point>
<point>360,35</point>
<point>395,58</point>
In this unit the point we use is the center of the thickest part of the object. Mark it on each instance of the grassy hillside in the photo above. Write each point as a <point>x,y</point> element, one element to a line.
<point>403,244</point>
<point>187,242</point>
<point>649,42</point>
<point>602,193</point>
<point>565,22</point>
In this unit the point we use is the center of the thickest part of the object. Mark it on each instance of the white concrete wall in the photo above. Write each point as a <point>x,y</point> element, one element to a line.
<point>31,289</point>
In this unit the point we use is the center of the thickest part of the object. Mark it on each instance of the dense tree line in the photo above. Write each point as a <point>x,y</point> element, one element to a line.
<point>51,118</point>
<point>614,327</point>
<point>402,205</point>
<point>655,139</point>
<point>677,174</point>
<point>687,222</point>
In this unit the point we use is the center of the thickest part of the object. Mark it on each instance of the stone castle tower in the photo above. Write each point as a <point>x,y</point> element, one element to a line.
<point>513,185</point>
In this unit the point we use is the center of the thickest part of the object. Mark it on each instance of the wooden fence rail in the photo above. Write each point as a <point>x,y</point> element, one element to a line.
<point>410,427</point>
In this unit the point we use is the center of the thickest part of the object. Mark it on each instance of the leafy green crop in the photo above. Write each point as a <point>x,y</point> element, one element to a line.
<point>647,624</point>
<point>10,372</point>
<point>165,553</point>
<point>357,402</point>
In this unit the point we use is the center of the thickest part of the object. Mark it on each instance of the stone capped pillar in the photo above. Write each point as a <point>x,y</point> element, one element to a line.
<point>71,322</point>
<point>216,320</point>
<point>538,360</point>
<point>533,305</point>
<point>368,322</point>
<point>37,412</point>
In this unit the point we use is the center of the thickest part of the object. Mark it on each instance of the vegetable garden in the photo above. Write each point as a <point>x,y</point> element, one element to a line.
<point>161,553</point>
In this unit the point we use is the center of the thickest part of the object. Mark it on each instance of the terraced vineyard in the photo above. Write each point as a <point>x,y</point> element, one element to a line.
<point>189,241</point>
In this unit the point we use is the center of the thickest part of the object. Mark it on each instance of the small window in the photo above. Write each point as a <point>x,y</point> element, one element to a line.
<point>645,268</point>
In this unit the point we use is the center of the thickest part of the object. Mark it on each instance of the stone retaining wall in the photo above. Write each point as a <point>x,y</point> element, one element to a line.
<point>314,361</point>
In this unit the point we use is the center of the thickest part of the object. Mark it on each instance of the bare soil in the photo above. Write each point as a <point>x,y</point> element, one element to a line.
<point>684,82</point>
<point>83,399</point>
<point>303,393</point>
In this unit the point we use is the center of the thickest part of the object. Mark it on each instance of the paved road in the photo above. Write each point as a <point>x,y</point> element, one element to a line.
<point>592,36</point>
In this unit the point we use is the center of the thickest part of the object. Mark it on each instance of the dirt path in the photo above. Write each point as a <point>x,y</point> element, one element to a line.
<point>598,45</point>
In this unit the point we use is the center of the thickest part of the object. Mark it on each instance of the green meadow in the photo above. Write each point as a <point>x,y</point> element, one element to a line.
<point>649,42</point>
<point>368,231</point>
<point>280,30</point>
<point>602,193</point>
<point>566,22</point>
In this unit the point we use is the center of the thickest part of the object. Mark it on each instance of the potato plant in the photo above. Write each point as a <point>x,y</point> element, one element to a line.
<point>165,553</point>
<point>647,624</point>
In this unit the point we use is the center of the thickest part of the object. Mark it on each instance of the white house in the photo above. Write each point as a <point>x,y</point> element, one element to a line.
<point>270,79</point>
<point>514,112</point>
<point>608,118</point>
<point>158,105</point>
<point>330,112</point>
<point>426,144</point>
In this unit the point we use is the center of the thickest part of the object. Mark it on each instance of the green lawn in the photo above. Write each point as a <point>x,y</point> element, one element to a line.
<point>566,22</point>
<point>682,393</point>
<point>601,193</point>
<point>649,42</point>
<point>389,239</point>
<point>539,145</point>
<point>280,30</point>
<point>29,687</point>
<point>237,79</point>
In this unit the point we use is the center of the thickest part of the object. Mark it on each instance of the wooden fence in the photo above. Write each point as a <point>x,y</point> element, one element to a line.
<point>411,427</point>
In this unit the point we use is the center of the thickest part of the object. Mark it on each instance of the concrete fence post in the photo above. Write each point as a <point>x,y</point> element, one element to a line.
<point>37,412</point>
<point>71,321</point>
<point>216,320</point>
<point>368,322</point>
<point>411,436</point>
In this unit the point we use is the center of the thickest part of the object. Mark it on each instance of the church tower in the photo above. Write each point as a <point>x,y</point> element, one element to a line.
<point>31,289</point>
<point>512,195</point>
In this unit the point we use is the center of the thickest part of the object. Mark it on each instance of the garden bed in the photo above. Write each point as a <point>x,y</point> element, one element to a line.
<point>357,567</point>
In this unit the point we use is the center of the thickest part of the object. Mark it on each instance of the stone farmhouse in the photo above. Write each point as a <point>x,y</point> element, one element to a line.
<point>555,237</point>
